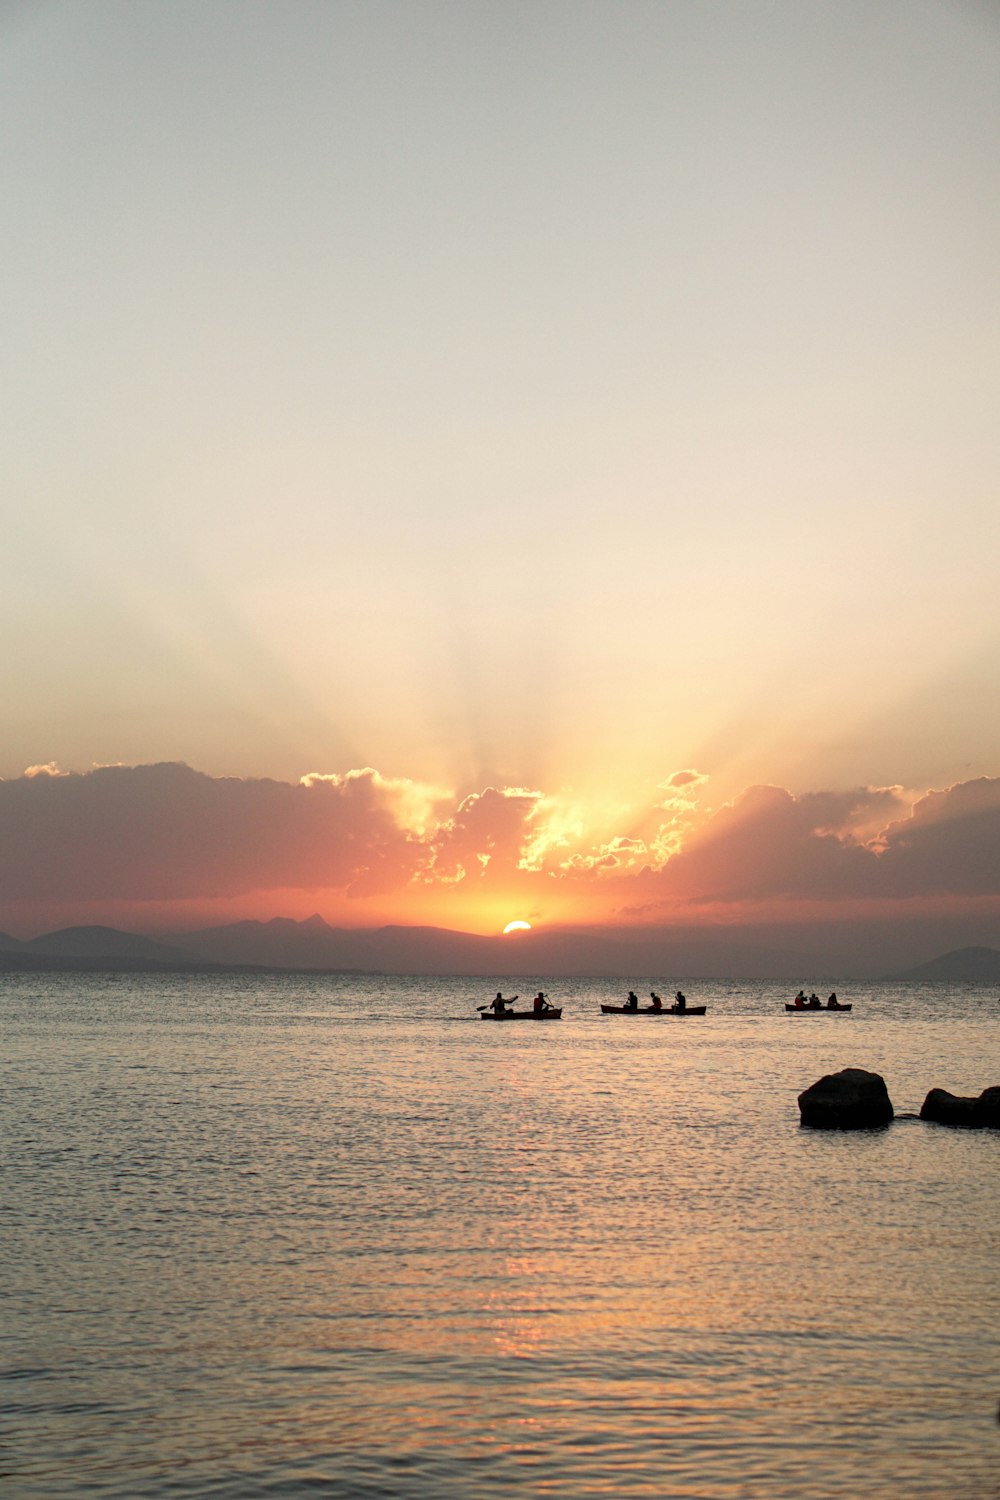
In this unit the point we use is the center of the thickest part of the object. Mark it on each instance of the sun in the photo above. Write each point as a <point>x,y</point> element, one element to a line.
<point>517,927</point>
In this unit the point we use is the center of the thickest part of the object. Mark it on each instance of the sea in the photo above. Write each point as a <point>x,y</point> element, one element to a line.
<point>299,1235</point>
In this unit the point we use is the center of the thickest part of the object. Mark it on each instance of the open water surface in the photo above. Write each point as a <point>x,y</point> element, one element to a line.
<point>310,1236</point>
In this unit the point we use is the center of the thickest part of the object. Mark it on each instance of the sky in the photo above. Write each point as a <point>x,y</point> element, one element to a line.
<point>476,461</point>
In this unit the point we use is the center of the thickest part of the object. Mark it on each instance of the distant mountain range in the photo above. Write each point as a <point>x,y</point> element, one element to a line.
<point>314,945</point>
<point>95,948</point>
<point>969,965</point>
<point>284,944</point>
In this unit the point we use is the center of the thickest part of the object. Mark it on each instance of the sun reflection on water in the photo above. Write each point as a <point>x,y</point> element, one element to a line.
<point>321,1243</point>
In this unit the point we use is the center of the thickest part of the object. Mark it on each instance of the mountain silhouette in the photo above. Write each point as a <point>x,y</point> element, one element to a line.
<point>283,943</point>
<point>314,944</point>
<point>963,964</point>
<point>94,949</point>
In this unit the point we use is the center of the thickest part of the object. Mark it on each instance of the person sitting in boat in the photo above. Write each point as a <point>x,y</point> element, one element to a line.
<point>800,1000</point>
<point>814,1003</point>
<point>499,1005</point>
<point>540,1003</point>
<point>657,1002</point>
<point>833,1003</point>
<point>680,1001</point>
<point>632,1003</point>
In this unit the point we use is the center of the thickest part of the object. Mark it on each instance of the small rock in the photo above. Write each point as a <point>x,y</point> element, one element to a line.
<point>949,1109</point>
<point>849,1100</point>
<point>988,1109</point>
<point>966,1112</point>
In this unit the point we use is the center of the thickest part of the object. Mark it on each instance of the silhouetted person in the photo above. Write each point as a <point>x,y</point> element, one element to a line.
<point>540,1003</point>
<point>814,1002</point>
<point>800,999</point>
<point>833,1003</point>
<point>680,1001</point>
<point>499,1005</point>
<point>657,1002</point>
<point>632,1003</point>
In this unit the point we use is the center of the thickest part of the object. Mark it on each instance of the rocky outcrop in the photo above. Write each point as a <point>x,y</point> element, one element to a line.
<point>849,1100</point>
<point>975,1112</point>
<point>988,1112</point>
<point>856,1100</point>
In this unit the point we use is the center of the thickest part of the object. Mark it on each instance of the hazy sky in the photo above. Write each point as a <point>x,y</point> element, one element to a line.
<point>553,396</point>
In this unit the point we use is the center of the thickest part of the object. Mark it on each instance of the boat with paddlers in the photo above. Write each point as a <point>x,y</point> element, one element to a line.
<point>814,1005</point>
<point>554,1013</point>
<point>653,1010</point>
<point>502,1009</point>
<point>632,1007</point>
<point>818,1010</point>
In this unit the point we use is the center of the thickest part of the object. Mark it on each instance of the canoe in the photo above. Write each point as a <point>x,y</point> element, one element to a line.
<point>648,1010</point>
<point>817,1010</point>
<point>555,1014</point>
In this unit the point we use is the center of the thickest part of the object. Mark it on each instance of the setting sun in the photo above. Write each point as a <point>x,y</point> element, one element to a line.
<point>517,927</point>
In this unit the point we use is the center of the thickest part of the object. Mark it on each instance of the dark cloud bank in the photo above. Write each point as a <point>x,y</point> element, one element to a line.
<point>166,832</point>
<point>770,844</point>
<point>162,833</point>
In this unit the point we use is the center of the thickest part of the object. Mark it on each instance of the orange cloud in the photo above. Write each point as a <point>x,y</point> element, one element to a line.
<point>617,855</point>
<point>950,843</point>
<point>168,834</point>
<point>864,844</point>
<point>487,835</point>
<point>683,778</point>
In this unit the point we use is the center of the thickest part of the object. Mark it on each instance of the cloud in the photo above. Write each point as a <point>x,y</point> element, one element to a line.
<point>769,843</point>
<point>615,856</point>
<point>416,807</point>
<point>489,833</point>
<point>676,809</point>
<point>683,778</point>
<point>168,832</point>
<point>866,843</point>
<point>950,844</point>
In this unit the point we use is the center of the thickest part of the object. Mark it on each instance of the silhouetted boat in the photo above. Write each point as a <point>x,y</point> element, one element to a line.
<point>817,1010</point>
<point>651,1010</point>
<point>554,1013</point>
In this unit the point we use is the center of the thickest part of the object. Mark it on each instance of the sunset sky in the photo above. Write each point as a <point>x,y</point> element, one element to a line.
<point>474,461</point>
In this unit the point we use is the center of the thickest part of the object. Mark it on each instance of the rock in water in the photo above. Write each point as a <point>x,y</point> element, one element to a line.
<point>965,1111</point>
<point>849,1100</point>
<point>988,1109</point>
<point>948,1109</point>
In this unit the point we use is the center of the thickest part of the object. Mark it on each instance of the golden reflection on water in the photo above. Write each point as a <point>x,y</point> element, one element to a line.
<point>595,1263</point>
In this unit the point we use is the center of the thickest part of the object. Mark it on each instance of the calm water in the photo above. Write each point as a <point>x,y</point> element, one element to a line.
<point>302,1236</point>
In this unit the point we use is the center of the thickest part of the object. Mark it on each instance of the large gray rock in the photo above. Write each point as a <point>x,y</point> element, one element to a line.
<point>849,1100</point>
<point>968,1112</point>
